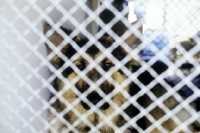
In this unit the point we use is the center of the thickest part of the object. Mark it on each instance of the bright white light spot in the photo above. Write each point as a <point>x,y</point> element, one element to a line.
<point>131,17</point>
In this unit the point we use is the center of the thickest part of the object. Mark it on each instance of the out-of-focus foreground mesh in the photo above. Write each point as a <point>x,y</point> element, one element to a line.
<point>99,66</point>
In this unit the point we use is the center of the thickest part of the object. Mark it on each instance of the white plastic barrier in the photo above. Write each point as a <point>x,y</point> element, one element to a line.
<point>25,79</point>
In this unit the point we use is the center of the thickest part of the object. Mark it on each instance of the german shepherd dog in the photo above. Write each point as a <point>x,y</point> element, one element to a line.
<point>78,103</point>
<point>69,95</point>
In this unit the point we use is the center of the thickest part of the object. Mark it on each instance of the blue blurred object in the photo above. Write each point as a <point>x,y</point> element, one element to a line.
<point>159,66</point>
<point>159,42</point>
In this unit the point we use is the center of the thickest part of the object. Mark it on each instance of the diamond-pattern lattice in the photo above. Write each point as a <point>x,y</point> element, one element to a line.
<point>58,75</point>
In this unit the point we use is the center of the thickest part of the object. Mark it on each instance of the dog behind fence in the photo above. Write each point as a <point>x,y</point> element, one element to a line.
<point>104,74</point>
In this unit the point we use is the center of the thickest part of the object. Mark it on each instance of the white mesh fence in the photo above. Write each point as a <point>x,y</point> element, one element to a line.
<point>99,66</point>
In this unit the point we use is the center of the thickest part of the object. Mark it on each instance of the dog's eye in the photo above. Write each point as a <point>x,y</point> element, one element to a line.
<point>107,65</point>
<point>81,66</point>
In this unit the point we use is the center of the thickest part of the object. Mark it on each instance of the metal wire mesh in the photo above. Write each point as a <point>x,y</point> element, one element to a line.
<point>99,66</point>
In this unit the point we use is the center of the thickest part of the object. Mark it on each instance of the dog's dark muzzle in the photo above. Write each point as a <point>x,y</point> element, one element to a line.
<point>94,98</point>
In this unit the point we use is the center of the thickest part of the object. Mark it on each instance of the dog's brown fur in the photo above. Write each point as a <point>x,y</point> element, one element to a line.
<point>171,103</point>
<point>71,94</point>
